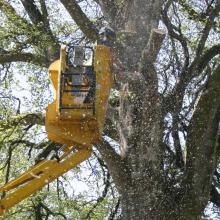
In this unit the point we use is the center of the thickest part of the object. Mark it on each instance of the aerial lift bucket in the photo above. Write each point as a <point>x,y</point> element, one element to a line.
<point>69,121</point>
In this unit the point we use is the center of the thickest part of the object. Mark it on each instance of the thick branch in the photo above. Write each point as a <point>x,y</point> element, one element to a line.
<point>207,56</point>
<point>45,15</point>
<point>80,18</point>
<point>32,11</point>
<point>201,144</point>
<point>115,163</point>
<point>24,57</point>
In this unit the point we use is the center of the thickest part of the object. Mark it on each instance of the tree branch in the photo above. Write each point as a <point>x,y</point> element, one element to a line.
<point>81,19</point>
<point>116,165</point>
<point>23,27</point>
<point>114,211</point>
<point>9,57</point>
<point>204,36</point>
<point>32,11</point>
<point>201,144</point>
<point>44,8</point>
<point>178,36</point>
<point>38,20</point>
<point>109,9</point>
<point>22,119</point>
<point>101,198</point>
<point>207,28</point>
<point>207,56</point>
<point>199,63</point>
<point>50,212</point>
<point>45,15</point>
<point>11,13</point>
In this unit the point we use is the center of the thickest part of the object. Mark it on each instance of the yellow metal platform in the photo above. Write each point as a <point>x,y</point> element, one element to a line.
<point>82,126</point>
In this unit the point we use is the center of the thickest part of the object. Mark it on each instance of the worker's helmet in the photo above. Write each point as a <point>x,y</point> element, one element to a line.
<point>106,36</point>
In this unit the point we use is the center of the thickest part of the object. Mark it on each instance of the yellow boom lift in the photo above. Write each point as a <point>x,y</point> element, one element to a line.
<point>75,118</point>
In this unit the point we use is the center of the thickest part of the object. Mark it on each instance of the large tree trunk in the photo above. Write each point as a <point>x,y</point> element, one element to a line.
<point>145,191</point>
<point>140,111</point>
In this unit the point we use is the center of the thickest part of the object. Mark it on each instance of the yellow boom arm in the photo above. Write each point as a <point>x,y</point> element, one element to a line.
<point>40,175</point>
